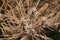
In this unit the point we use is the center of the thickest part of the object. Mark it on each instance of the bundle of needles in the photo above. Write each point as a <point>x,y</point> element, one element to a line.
<point>29,19</point>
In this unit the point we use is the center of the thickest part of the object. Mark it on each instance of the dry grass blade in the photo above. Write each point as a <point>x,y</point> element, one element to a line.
<point>37,4</point>
<point>41,9</point>
<point>21,7</point>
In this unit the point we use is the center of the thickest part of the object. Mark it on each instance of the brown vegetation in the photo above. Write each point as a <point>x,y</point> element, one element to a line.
<point>29,19</point>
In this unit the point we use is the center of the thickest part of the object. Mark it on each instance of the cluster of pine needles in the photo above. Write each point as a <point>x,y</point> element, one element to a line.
<point>29,19</point>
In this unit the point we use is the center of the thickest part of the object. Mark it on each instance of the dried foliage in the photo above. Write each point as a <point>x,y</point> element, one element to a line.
<point>29,19</point>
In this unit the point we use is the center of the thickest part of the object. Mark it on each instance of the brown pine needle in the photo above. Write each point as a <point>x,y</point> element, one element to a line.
<point>41,10</point>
